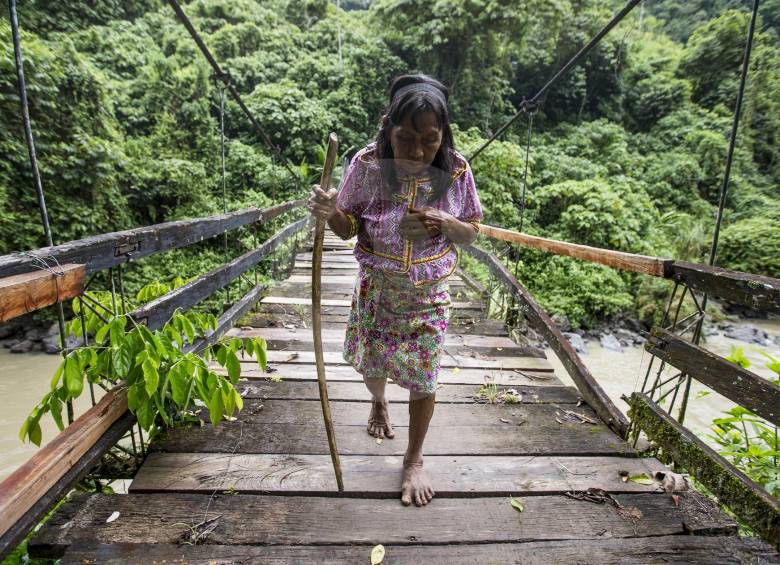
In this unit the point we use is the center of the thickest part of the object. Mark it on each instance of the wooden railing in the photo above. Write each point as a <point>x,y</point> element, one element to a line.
<point>679,445</point>
<point>29,492</point>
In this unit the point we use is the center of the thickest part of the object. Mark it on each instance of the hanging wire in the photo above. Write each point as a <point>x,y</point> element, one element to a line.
<point>28,133</point>
<point>529,105</point>
<point>224,183</point>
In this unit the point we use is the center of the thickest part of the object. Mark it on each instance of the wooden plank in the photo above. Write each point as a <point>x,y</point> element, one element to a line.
<point>337,336</point>
<point>729,379</point>
<point>699,550</point>
<point>333,358</point>
<point>28,292</point>
<point>536,436</point>
<point>447,375</point>
<point>357,392</point>
<point>644,264</point>
<point>110,249</point>
<point>332,302</point>
<point>379,476</point>
<point>733,488</point>
<point>282,520</point>
<point>539,319</point>
<point>37,484</point>
<point>754,291</point>
<point>159,311</point>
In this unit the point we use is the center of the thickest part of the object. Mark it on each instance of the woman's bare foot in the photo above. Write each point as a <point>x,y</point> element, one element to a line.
<point>416,485</point>
<point>379,421</point>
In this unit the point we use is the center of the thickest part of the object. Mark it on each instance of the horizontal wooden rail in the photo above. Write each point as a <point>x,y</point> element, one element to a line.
<point>647,265</point>
<point>593,394</point>
<point>110,249</point>
<point>21,294</point>
<point>733,488</point>
<point>157,312</point>
<point>754,291</point>
<point>31,490</point>
<point>729,379</point>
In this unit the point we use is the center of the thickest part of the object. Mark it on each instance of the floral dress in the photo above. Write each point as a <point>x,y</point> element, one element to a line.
<point>401,302</point>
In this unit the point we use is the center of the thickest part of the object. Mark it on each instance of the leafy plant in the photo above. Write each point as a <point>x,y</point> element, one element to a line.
<point>163,375</point>
<point>748,441</point>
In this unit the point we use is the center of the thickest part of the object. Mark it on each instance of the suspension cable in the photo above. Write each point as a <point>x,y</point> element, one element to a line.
<point>528,105</point>
<point>225,78</point>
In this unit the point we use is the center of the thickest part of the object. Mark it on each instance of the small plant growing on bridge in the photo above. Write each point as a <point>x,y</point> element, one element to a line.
<point>163,374</point>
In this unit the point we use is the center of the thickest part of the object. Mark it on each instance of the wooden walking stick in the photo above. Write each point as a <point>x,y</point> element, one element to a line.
<point>316,312</point>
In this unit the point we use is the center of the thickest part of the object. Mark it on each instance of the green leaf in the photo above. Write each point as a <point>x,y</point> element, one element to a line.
<point>145,415</point>
<point>238,401</point>
<point>642,479</point>
<point>35,434</point>
<point>55,380</point>
<point>178,379</point>
<point>215,407</point>
<point>222,352</point>
<point>122,358</point>
<point>117,331</point>
<point>260,353</point>
<point>55,407</point>
<point>228,401</point>
<point>233,367</point>
<point>516,503</point>
<point>161,409</point>
<point>151,376</point>
<point>135,397</point>
<point>249,347</point>
<point>188,329</point>
<point>74,378</point>
<point>100,336</point>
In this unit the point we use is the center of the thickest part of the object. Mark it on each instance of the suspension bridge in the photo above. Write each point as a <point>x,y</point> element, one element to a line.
<point>260,487</point>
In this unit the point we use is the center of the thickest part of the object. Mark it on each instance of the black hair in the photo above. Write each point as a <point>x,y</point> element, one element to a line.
<point>413,94</point>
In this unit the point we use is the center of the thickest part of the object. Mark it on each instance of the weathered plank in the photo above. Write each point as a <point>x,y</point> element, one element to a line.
<point>159,311</point>
<point>275,520</point>
<point>28,292</point>
<point>675,549</point>
<point>379,476</point>
<point>643,264</point>
<point>754,291</point>
<point>110,249</point>
<point>534,437</point>
<point>333,358</point>
<point>732,487</point>
<point>42,480</point>
<point>541,321</point>
<point>337,336</point>
<point>729,379</point>
<point>296,300</point>
<point>447,375</point>
<point>356,391</point>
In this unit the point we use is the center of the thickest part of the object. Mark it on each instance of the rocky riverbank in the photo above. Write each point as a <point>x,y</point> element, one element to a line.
<point>25,335</point>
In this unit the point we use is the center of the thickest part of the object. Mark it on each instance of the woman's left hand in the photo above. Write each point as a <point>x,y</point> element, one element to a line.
<point>423,223</point>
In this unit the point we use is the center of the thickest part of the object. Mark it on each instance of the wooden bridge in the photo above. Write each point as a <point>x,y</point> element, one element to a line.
<point>261,488</point>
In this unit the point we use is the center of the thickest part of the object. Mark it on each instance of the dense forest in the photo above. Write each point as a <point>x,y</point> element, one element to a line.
<point>628,151</point>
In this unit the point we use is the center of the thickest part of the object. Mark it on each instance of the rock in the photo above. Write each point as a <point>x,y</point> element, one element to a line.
<point>576,342</point>
<point>22,346</point>
<point>35,334</point>
<point>609,341</point>
<point>562,322</point>
<point>8,330</point>
<point>747,333</point>
<point>54,329</point>
<point>9,343</point>
<point>51,344</point>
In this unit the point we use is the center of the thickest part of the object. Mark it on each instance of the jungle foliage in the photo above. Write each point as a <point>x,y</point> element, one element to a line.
<point>628,150</point>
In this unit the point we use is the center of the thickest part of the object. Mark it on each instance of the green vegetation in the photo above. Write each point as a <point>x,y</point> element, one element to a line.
<point>628,150</point>
<point>164,382</point>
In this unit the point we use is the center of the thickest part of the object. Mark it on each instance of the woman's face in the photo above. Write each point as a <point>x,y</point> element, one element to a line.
<point>414,148</point>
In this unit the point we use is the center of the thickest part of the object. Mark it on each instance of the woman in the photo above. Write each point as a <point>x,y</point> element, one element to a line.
<point>408,197</point>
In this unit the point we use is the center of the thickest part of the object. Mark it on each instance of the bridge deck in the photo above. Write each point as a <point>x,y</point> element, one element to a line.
<point>263,486</point>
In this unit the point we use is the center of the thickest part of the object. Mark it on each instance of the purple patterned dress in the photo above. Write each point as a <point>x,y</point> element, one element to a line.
<point>401,303</point>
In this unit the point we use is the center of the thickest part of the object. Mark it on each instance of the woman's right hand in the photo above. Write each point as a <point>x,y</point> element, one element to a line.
<point>321,204</point>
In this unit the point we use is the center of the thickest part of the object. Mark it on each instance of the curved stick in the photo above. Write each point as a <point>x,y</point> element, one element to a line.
<point>316,313</point>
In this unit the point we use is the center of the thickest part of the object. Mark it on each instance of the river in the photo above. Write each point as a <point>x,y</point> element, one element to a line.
<point>25,378</point>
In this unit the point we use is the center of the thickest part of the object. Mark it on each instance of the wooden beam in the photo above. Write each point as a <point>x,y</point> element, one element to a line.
<point>593,394</point>
<point>729,379</point>
<point>39,483</point>
<point>754,291</point>
<point>110,249</point>
<point>644,264</point>
<point>21,294</point>
<point>746,499</point>
<point>157,312</point>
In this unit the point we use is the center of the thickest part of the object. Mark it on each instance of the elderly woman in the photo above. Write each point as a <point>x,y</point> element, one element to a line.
<point>408,197</point>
